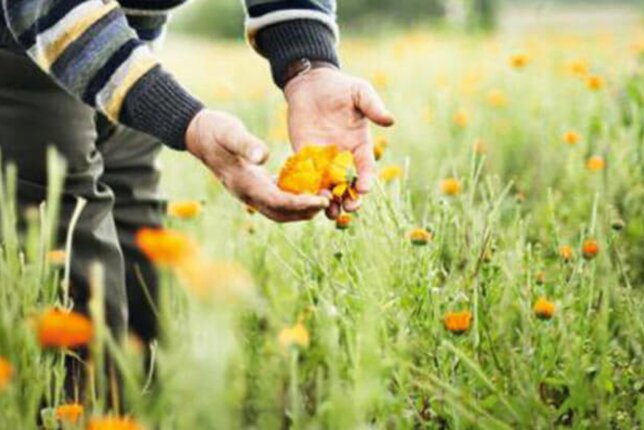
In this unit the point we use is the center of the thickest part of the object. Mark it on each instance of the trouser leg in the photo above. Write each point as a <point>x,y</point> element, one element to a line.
<point>34,114</point>
<point>131,171</point>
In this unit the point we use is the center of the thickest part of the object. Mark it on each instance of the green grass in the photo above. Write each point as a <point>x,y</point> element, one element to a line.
<point>373,304</point>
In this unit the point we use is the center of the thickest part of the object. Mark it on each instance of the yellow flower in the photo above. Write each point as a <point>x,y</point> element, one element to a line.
<point>294,336</point>
<point>69,413</point>
<point>595,163</point>
<point>390,173</point>
<point>343,221</point>
<point>379,147</point>
<point>165,247</point>
<point>419,236</point>
<point>57,257</point>
<point>566,253</point>
<point>578,67</point>
<point>519,60</point>
<point>451,186</point>
<point>113,423</point>
<point>544,309</point>
<point>460,119</point>
<point>457,322</point>
<point>497,99</point>
<point>304,171</point>
<point>341,170</point>
<point>184,209</point>
<point>595,82</point>
<point>380,80</point>
<point>571,137</point>
<point>6,372</point>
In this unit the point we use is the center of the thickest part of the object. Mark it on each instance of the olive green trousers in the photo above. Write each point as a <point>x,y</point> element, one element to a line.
<point>112,167</point>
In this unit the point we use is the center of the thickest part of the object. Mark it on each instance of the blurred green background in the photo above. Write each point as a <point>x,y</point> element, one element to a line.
<point>224,18</point>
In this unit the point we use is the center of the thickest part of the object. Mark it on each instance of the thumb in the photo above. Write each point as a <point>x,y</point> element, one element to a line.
<point>241,142</point>
<point>371,105</point>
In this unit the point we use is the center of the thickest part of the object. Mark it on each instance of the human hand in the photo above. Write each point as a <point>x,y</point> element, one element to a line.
<point>235,156</point>
<point>325,106</point>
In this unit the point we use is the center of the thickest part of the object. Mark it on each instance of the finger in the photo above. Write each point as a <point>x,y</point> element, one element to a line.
<point>333,211</point>
<point>241,142</point>
<point>371,105</point>
<point>352,205</point>
<point>366,165</point>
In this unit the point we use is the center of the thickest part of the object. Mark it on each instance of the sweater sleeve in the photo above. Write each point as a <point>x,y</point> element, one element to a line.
<point>284,31</point>
<point>88,47</point>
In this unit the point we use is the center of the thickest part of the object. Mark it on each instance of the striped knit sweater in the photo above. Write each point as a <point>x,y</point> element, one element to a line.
<point>96,50</point>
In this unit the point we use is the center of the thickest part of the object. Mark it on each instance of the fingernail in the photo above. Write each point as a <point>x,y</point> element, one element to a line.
<point>256,155</point>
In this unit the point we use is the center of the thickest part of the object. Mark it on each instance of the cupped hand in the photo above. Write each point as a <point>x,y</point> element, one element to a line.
<point>235,156</point>
<point>326,107</point>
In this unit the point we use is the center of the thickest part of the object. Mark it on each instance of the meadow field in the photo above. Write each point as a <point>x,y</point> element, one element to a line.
<point>494,279</point>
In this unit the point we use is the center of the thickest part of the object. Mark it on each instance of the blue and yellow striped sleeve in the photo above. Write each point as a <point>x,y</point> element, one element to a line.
<point>91,51</point>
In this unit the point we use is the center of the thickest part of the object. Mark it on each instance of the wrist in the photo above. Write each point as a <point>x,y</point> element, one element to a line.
<point>192,138</point>
<point>303,66</point>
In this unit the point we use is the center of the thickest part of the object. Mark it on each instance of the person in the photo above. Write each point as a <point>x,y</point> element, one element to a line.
<point>81,76</point>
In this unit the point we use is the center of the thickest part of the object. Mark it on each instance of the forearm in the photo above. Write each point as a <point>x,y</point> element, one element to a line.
<point>286,31</point>
<point>89,49</point>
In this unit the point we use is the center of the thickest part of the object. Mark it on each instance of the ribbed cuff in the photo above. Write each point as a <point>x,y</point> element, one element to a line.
<point>289,41</point>
<point>159,106</point>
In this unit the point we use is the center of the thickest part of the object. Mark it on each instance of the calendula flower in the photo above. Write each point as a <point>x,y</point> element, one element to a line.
<point>460,119</point>
<point>578,67</point>
<point>69,413</point>
<point>6,372</point>
<point>58,329</point>
<point>595,163</point>
<point>297,335</point>
<point>341,175</point>
<point>343,221</point>
<point>479,147</point>
<point>457,322</point>
<point>304,171</point>
<point>113,423</point>
<point>451,186</point>
<point>497,99</point>
<point>566,253</point>
<point>544,309</point>
<point>390,173</point>
<point>589,249</point>
<point>419,236</point>
<point>57,257</point>
<point>519,60</point>
<point>571,137</point>
<point>184,209</point>
<point>595,82</point>
<point>165,247</point>
<point>379,147</point>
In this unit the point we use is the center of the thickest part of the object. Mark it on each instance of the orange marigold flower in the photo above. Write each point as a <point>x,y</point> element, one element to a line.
<point>165,246</point>
<point>590,249</point>
<point>497,99</point>
<point>460,119</point>
<point>419,236</point>
<point>113,423</point>
<point>69,413</point>
<point>571,137</point>
<point>57,257</point>
<point>451,186</point>
<point>343,221</point>
<point>297,335</point>
<point>519,60</point>
<point>595,163</point>
<point>390,173</point>
<point>184,209</point>
<point>565,252</point>
<point>457,322</point>
<point>58,329</point>
<point>595,82</point>
<point>304,171</point>
<point>544,309</point>
<point>6,372</point>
